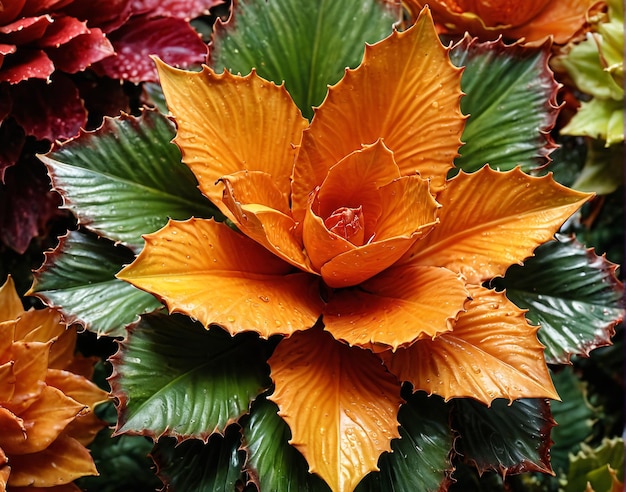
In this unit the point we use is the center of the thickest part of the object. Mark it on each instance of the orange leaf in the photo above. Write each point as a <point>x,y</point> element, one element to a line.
<point>86,425</point>
<point>340,403</point>
<point>262,213</point>
<point>42,325</point>
<point>10,304</point>
<point>406,92</point>
<point>492,352</point>
<point>43,421</point>
<point>7,381</point>
<point>228,123</point>
<point>213,274</point>
<point>60,463</point>
<point>396,307</point>
<point>31,365</point>
<point>7,336</point>
<point>5,471</point>
<point>491,220</point>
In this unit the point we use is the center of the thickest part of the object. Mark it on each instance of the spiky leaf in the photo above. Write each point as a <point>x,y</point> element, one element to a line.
<point>205,385</point>
<point>572,293</point>
<point>126,178</point>
<point>510,438</point>
<point>511,103</point>
<point>602,467</point>
<point>79,277</point>
<point>274,463</point>
<point>306,44</point>
<point>193,465</point>
<point>419,459</point>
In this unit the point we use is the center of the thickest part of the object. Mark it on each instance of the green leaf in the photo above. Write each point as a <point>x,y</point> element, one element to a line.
<point>275,464</point>
<point>511,100</point>
<point>604,169</point>
<point>599,466</point>
<point>79,278</point>
<point>572,293</point>
<point>600,119</point>
<point>308,45</point>
<point>419,459</point>
<point>126,178</point>
<point>172,377</point>
<point>195,466</point>
<point>507,438</point>
<point>574,416</point>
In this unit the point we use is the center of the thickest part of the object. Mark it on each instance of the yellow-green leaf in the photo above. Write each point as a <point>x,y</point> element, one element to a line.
<point>340,403</point>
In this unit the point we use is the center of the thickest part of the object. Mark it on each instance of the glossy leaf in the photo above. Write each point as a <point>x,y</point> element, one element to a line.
<point>572,293</point>
<point>601,467</point>
<point>509,438</point>
<point>79,278</point>
<point>126,178</point>
<point>307,45</point>
<point>490,220</point>
<point>420,458</point>
<point>208,271</point>
<point>272,462</point>
<point>574,415</point>
<point>511,102</point>
<point>340,403</point>
<point>491,352</point>
<point>206,385</point>
<point>214,466</point>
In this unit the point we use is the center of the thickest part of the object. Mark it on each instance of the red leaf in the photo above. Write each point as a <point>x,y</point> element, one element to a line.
<point>28,64</point>
<point>26,30</point>
<point>49,110</point>
<point>181,9</point>
<point>82,51</point>
<point>62,30</point>
<point>108,15</point>
<point>172,40</point>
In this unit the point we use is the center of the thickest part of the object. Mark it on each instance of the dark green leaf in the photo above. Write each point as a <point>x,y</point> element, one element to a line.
<point>172,377</point>
<point>126,178</point>
<point>195,466</point>
<point>511,100</point>
<point>79,277</point>
<point>308,45</point>
<point>507,438</point>
<point>420,458</point>
<point>571,293</point>
<point>574,416</point>
<point>275,464</point>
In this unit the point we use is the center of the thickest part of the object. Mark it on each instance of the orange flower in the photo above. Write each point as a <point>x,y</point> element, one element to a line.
<point>352,219</point>
<point>534,20</point>
<point>46,404</point>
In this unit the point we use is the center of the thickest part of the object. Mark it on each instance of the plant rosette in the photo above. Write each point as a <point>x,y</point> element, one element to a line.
<point>351,245</point>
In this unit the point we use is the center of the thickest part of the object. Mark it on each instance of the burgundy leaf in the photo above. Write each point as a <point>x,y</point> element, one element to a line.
<point>11,143</point>
<point>182,9</point>
<point>61,31</point>
<point>81,52</point>
<point>26,204</point>
<point>49,110</point>
<point>27,64</point>
<point>10,10</point>
<point>108,15</point>
<point>172,40</point>
<point>25,30</point>
<point>36,7</point>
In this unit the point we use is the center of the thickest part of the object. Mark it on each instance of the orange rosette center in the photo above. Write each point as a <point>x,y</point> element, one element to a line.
<point>364,216</point>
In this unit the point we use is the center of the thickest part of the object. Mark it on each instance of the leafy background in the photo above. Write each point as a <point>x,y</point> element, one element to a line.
<point>126,154</point>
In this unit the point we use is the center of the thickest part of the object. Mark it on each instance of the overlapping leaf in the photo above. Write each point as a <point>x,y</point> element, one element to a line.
<point>272,462</point>
<point>572,293</point>
<point>509,438</point>
<point>79,277</point>
<point>126,178</point>
<point>307,45</point>
<point>214,466</point>
<point>511,102</point>
<point>602,468</point>
<point>205,387</point>
<point>340,403</point>
<point>420,458</point>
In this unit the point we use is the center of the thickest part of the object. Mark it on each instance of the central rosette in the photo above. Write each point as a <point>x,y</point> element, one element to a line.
<point>364,216</point>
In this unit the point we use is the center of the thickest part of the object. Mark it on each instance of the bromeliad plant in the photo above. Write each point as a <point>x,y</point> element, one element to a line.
<point>340,267</point>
